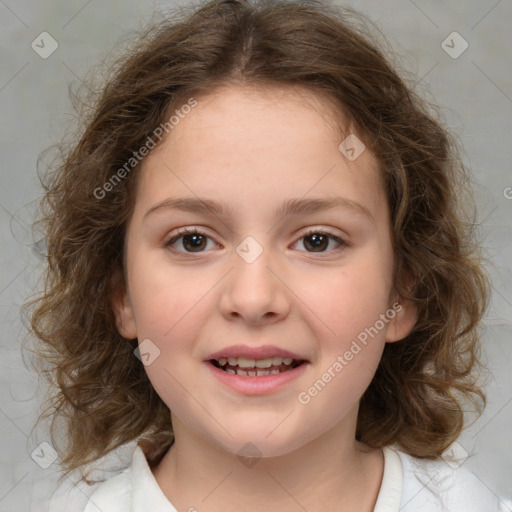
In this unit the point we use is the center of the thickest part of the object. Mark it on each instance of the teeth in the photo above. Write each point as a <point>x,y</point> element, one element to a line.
<point>255,367</point>
<point>244,362</point>
<point>264,363</point>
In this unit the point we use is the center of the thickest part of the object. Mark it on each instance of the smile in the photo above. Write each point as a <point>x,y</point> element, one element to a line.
<point>256,367</point>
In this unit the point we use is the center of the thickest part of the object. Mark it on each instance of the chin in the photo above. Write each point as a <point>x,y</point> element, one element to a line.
<point>262,440</point>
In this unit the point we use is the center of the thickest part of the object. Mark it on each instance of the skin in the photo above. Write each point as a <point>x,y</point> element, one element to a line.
<point>253,150</point>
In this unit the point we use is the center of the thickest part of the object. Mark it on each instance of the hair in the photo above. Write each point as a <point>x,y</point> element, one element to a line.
<point>101,391</point>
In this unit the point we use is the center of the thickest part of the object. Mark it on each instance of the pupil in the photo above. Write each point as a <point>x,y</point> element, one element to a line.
<point>196,244</point>
<point>198,241</point>
<point>317,241</point>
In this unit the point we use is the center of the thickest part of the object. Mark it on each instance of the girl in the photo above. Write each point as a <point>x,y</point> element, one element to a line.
<point>260,272</point>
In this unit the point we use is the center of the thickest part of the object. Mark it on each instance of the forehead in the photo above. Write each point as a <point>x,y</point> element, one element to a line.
<point>260,118</point>
<point>246,146</point>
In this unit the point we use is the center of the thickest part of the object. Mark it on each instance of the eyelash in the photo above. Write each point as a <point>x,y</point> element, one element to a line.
<point>194,231</point>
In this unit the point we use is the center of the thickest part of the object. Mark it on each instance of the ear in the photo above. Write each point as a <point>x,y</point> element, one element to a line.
<point>122,307</point>
<point>403,322</point>
<point>406,315</point>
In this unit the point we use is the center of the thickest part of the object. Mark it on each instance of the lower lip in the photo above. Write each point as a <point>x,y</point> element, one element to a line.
<point>262,385</point>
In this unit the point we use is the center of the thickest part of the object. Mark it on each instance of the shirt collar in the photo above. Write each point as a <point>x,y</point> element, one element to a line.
<point>147,494</point>
<point>390,493</point>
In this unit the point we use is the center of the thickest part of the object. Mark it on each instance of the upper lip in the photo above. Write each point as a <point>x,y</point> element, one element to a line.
<point>261,352</point>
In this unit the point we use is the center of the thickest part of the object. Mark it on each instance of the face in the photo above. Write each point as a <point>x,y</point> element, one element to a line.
<point>271,275</point>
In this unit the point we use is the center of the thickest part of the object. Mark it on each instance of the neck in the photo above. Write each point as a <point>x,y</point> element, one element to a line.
<point>333,471</point>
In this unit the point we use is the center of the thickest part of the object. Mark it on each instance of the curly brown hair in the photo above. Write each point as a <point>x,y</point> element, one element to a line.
<point>100,389</point>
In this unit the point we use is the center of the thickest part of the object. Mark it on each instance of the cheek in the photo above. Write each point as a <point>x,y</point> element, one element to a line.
<point>167,306</point>
<point>350,351</point>
<point>165,298</point>
<point>336,390</point>
<point>350,301</point>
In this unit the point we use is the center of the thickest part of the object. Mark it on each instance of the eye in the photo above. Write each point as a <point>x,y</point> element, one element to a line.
<point>196,241</point>
<point>318,240</point>
<point>192,238</point>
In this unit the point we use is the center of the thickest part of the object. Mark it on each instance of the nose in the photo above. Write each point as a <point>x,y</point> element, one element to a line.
<point>255,290</point>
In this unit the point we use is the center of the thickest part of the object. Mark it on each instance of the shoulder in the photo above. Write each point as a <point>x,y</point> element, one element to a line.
<point>110,488</point>
<point>436,485</point>
<point>112,495</point>
<point>82,497</point>
<point>133,488</point>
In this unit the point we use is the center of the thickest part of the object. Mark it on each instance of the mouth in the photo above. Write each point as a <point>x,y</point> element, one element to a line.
<point>247,367</point>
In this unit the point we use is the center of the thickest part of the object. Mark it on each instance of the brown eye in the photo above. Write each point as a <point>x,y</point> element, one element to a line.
<point>318,241</point>
<point>193,241</point>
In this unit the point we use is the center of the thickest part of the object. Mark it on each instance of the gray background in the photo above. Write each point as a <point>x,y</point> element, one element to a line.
<point>474,92</point>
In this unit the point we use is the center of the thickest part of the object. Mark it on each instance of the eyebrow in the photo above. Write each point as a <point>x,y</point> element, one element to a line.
<point>290,206</point>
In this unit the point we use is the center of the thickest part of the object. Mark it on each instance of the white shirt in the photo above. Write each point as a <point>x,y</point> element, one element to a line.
<point>408,484</point>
